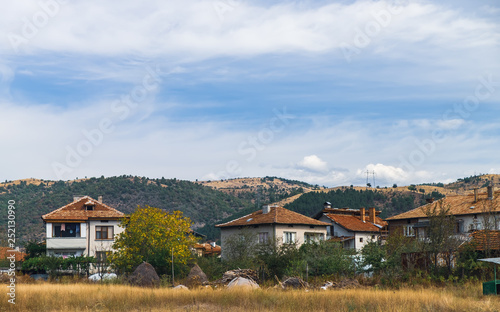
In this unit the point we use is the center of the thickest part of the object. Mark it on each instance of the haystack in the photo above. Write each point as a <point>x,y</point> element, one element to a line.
<point>144,276</point>
<point>196,277</point>
<point>242,282</point>
<point>295,282</point>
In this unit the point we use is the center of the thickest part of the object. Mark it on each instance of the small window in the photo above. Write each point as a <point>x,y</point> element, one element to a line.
<point>263,237</point>
<point>361,239</point>
<point>103,232</point>
<point>104,221</point>
<point>373,237</point>
<point>89,207</point>
<point>289,237</point>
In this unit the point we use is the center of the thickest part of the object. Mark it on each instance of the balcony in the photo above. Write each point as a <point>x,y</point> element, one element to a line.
<point>67,243</point>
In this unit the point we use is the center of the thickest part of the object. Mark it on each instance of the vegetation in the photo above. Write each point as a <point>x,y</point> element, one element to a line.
<point>103,297</point>
<point>154,236</point>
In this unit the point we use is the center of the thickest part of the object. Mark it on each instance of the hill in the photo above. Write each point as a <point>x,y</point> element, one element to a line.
<point>210,202</point>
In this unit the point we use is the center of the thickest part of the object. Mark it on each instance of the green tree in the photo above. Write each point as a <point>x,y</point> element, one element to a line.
<point>153,235</point>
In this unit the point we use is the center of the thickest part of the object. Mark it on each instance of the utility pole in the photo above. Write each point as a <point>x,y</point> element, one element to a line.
<point>173,284</point>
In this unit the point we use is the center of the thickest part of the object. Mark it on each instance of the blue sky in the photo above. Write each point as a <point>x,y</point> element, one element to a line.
<point>319,91</point>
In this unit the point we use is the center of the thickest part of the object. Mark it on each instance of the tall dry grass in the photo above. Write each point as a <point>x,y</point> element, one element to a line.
<point>90,297</point>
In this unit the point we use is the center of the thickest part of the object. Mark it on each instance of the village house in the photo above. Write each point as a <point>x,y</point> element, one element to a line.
<point>274,223</point>
<point>84,227</point>
<point>475,211</point>
<point>352,227</point>
<point>208,249</point>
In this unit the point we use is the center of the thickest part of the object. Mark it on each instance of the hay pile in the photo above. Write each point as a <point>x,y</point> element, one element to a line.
<point>196,277</point>
<point>242,282</point>
<point>144,276</point>
<point>294,282</point>
<point>232,274</point>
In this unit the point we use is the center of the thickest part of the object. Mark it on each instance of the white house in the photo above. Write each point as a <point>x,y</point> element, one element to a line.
<point>352,227</point>
<point>84,227</point>
<point>273,223</point>
<point>472,212</point>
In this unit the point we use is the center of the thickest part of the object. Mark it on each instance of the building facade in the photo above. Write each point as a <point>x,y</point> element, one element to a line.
<point>84,227</point>
<point>274,224</point>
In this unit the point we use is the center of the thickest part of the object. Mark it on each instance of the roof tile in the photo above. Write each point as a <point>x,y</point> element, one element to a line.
<point>76,211</point>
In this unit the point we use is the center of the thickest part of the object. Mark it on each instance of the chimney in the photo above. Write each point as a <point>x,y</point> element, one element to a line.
<point>475,195</point>
<point>371,215</point>
<point>212,244</point>
<point>327,205</point>
<point>265,209</point>
<point>490,191</point>
<point>362,213</point>
<point>99,199</point>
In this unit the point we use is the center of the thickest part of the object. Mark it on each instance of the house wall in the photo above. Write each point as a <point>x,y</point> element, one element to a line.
<point>85,244</point>
<point>363,238</point>
<point>102,244</point>
<point>275,232</point>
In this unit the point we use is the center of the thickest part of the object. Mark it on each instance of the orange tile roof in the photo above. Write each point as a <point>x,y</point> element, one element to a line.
<point>7,252</point>
<point>276,215</point>
<point>208,249</point>
<point>76,211</point>
<point>352,223</point>
<point>484,240</point>
<point>458,204</point>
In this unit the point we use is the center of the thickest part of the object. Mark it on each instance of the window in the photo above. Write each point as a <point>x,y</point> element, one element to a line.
<point>103,232</point>
<point>66,230</point>
<point>361,239</point>
<point>263,237</point>
<point>408,230</point>
<point>89,207</point>
<point>289,237</point>
<point>101,256</point>
<point>313,237</point>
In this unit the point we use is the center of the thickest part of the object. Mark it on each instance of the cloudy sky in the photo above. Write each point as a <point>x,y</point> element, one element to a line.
<point>318,91</point>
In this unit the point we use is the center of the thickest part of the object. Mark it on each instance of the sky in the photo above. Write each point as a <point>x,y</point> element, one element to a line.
<point>326,92</point>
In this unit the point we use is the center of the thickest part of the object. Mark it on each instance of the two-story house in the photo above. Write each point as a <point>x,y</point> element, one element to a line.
<point>354,228</point>
<point>84,227</point>
<point>273,223</point>
<point>472,212</point>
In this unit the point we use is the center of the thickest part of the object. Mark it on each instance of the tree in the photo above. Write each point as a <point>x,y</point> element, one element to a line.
<point>442,241</point>
<point>154,236</point>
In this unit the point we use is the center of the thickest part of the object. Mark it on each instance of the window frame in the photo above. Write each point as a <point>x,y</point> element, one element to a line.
<point>289,237</point>
<point>99,229</point>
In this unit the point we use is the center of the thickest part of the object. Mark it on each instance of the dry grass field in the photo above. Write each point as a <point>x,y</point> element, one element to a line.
<point>95,297</point>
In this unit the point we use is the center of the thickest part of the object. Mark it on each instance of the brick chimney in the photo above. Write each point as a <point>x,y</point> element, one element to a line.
<point>490,191</point>
<point>99,199</point>
<point>362,214</point>
<point>371,215</point>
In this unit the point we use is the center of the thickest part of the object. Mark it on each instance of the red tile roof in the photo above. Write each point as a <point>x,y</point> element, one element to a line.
<point>352,223</point>
<point>484,240</point>
<point>76,211</point>
<point>276,215</point>
<point>207,249</point>
<point>7,252</point>
<point>458,204</point>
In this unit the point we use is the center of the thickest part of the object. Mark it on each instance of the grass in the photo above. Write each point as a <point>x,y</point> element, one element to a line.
<point>95,297</point>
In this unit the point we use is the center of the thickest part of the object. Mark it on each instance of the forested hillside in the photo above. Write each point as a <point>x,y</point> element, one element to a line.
<point>390,203</point>
<point>204,205</point>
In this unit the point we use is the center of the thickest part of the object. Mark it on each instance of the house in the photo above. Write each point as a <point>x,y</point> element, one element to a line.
<point>209,249</point>
<point>352,227</point>
<point>84,227</point>
<point>475,211</point>
<point>274,223</point>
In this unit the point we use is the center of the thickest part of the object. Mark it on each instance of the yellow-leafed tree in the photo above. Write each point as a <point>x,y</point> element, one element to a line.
<point>152,235</point>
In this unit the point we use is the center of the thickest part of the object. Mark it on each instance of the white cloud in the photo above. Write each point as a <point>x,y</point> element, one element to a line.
<point>313,163</point>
